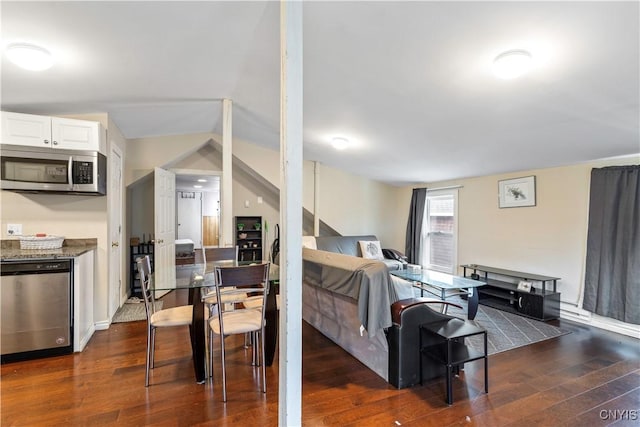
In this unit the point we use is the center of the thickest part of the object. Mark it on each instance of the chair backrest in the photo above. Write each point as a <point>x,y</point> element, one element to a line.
<point>221,254</point>
<point>242,280</point>
<point>217,254</point>
<point>144,270</point>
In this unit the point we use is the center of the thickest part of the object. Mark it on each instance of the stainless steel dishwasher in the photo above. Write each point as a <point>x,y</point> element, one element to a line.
<point>36,312</point>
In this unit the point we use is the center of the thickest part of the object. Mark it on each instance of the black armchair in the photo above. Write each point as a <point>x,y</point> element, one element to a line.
<point>403,338</point>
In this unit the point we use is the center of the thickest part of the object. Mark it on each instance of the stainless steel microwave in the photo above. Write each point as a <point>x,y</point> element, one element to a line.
<point>45,169</point>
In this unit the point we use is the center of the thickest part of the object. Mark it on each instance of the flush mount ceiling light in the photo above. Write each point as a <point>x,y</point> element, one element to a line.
<point>512,64</point>
<point>202,180</point>
<point>29,56</point>
<point>339,143</point>
<point>197,186</point>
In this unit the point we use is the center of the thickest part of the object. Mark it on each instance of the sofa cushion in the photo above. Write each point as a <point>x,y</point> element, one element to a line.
<point>347,245</point>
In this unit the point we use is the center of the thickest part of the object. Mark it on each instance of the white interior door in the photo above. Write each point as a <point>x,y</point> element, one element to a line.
<point>190,217</point>
<point>164,227</point>
<point>115,232</point>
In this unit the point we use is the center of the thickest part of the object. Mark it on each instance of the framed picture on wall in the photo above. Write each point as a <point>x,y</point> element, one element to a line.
<point>517,192</point>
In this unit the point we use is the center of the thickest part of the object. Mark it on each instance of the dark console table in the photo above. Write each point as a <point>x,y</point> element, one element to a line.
<point>541,302</point>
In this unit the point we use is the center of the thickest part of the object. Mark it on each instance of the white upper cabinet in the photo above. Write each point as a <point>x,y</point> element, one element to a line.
<point>54,132</point>
<point>26,129</point>
<point>74,134</point>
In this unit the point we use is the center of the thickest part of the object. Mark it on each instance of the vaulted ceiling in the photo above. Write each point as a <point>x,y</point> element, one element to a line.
<point>408,83</point>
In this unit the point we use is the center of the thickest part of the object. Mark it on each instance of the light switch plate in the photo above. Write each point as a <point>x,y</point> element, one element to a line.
<point>14,229</point>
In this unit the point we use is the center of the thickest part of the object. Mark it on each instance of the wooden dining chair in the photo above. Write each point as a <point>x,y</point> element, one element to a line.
<point>174,316</point>
<point>232,318</point>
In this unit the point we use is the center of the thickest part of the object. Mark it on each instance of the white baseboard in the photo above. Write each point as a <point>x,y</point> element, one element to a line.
<point>578,315</point>
<point>83,342</point>
<point>103,325</point>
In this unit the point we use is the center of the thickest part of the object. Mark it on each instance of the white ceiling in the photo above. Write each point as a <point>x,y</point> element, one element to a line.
<point>186,182</point>
<point>408,82</point>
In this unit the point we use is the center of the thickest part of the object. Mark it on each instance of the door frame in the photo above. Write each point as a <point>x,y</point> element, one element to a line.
<point>112,306</point>
<point>202,172</point>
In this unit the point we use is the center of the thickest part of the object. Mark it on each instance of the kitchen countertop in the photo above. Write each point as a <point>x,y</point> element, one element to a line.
<point>71,248</point>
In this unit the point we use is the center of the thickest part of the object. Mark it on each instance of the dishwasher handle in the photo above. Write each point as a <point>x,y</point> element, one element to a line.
<point>38,267</point>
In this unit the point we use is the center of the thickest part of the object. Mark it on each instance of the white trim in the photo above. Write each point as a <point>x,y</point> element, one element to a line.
<point>316,198</point>
<point>444,191</point>
<point>123,288</point>
<point>291,167</point>
<point>578,315</point>
<point>201,172</point>
<point>102,325</point>
<point>451,187</point>
<point>226,184</point>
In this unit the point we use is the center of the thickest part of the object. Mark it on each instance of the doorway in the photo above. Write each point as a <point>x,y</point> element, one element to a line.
<point>198,207</point>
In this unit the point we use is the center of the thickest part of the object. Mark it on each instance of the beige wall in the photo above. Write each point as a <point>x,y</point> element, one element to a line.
<point>144,154</point>
<point>549,238</point>
<point>349,203</point>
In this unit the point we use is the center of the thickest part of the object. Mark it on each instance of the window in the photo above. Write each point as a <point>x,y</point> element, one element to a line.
<point>440,231</point>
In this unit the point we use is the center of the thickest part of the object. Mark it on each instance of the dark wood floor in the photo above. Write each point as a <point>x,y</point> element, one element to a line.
<point>567,381</point>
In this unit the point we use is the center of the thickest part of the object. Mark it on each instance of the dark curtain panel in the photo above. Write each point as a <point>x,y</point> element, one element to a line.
<point>413,245</point>
<point>612,279</point>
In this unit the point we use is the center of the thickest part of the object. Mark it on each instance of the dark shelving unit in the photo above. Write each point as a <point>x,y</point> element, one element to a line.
<point>137,251</point>
<point>249,238</point>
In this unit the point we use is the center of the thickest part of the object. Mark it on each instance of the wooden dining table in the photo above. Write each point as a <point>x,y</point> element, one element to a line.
<point>197,329</point>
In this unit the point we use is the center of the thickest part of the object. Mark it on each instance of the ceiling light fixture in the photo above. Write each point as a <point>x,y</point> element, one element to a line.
<point>202,180</point>
<point>197,186</point>
<point>512,64</point>
<point>29,56</point>
<point>340,143</point>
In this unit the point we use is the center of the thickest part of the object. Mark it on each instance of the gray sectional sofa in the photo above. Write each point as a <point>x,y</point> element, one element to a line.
<point>349,299</point>
<point>348,245</point>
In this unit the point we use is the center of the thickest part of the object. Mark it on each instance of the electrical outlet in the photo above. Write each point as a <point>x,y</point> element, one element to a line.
<point>14,229</point>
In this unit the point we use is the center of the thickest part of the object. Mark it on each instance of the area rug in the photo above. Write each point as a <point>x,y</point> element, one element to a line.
<point>505,331</point>
<point>132,312</point>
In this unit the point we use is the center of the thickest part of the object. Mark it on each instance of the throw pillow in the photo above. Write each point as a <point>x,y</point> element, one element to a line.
<point>371,249</point>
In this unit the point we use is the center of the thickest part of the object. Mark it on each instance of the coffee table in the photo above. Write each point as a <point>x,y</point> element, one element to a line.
<point>444,286</point>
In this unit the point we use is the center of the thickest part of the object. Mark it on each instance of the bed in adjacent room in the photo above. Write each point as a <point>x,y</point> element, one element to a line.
<point>185,252</point>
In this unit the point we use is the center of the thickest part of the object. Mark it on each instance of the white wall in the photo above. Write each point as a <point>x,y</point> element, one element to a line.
<point>549,238</point>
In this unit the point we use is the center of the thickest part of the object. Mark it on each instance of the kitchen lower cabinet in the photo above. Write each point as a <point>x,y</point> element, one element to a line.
<point>83,283</point>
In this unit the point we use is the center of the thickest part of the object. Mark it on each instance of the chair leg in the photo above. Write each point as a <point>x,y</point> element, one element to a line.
<point>148,362</point>
<point>264,371</point>
<point>254,348</point>
<point>153,347</point>
<point>210,359</point>
<point>224,372</point>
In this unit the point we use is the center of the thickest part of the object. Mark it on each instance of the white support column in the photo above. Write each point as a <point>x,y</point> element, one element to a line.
<point>226,195</point>
<point>316,198</point>
<point>290,330</point>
